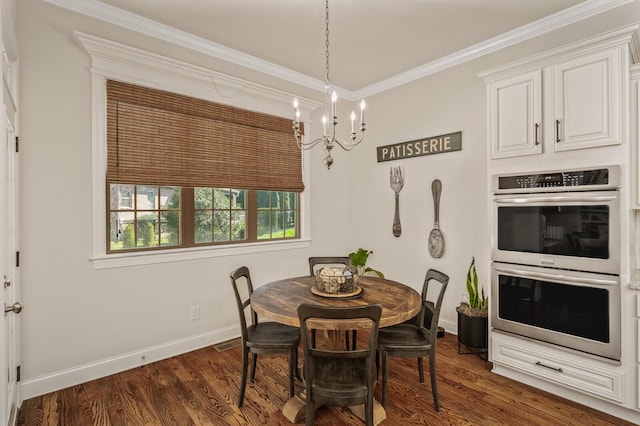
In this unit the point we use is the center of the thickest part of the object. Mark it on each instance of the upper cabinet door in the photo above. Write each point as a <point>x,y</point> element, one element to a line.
<point>515,111</point>
<point>587,101</point>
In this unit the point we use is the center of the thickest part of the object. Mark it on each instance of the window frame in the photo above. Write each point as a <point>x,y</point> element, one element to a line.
<point>187,212</point>
<point>111,60</point>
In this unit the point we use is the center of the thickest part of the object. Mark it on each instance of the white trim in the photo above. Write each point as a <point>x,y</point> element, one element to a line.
<point>110,60</point>
<point>125,19</point>
<point>119,363</point>
<point>510,38</point>
<point>605,41</point>
<point>119,260</point>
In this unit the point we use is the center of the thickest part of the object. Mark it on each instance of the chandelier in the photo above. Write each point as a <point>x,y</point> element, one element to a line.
<point>330,117</point>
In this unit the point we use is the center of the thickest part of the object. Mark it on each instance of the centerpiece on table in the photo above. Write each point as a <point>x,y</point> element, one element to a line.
<point>336,281</point>
<point>342,282</point>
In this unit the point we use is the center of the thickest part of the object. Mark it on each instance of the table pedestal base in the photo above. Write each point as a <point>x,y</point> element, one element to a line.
<point>293,410</point>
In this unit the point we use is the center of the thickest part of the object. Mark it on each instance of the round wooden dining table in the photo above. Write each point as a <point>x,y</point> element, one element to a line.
<point>279,300</point>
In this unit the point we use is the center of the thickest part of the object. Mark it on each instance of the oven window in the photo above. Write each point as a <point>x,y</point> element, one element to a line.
<point>570,309</point>
<point>581,231</point>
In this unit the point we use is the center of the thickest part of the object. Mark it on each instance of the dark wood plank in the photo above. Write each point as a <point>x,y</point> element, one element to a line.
<point>199,388</point>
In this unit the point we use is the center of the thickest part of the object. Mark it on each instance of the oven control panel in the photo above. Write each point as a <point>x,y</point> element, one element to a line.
<point>555,181</point>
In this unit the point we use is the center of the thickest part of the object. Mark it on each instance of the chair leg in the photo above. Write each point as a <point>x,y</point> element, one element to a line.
<point>292,368</point>
<point>368,409</point>
<point>421,369</point>
<point>309,410</point>
<point>243,383</point>
<point>295,364</point>
<point>385,358</point>
<point>432,375</point>
<point>254,363</point>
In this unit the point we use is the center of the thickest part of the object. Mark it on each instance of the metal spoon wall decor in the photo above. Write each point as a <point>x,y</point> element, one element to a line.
<point>436,240</point>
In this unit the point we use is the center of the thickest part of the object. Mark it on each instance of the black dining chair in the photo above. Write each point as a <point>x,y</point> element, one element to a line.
<point>262,337</point>
<point>416,338</point>
<point>314,265</point>
<point>339,377</point>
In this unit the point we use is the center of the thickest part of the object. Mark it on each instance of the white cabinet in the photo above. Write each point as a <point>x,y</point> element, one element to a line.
<point>515,107</point>
<point>562,100</point>
<point>638,342</point>
<point>587,93</point>
<point>574,371</point>
<point>635,130</point>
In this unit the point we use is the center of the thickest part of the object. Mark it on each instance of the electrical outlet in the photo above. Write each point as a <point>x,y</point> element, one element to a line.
<point>195,313</point>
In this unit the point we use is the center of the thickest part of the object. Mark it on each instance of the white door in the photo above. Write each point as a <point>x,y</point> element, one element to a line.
<point>9,327</point>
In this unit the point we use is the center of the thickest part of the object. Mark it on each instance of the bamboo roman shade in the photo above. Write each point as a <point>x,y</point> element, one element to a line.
<point>161,138</point>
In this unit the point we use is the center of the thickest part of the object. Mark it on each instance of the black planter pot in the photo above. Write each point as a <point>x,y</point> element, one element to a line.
<point>473,333</point>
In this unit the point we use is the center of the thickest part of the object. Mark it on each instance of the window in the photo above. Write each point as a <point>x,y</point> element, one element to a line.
<point>173,217</point>
<point>200,173</point>
<point>277,214</point>
<point>111,61</point>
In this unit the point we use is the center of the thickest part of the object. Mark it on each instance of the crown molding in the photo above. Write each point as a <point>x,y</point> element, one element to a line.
<point>518,35</point>
<point>133,22</point>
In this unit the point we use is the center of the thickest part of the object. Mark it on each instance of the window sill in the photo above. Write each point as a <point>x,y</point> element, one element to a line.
<point>178,255</point>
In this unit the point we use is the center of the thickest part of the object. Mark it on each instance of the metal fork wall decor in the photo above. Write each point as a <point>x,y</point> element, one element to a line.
<point>397,182</point>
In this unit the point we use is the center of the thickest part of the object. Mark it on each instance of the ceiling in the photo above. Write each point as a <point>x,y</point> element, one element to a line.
<point>370,40</point>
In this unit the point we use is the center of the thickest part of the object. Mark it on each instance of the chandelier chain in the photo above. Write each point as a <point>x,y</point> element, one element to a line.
<point>326,22</point>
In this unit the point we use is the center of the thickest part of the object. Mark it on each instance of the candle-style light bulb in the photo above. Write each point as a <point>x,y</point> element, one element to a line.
<point>296,112</point>
<point>324,124</point>
<point>362,106</point>
<point>334,98</point>
<point>353,122</point>
<point>295,102</point>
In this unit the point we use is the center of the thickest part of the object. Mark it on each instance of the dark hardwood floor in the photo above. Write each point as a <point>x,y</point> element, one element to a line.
<point>199,388</point>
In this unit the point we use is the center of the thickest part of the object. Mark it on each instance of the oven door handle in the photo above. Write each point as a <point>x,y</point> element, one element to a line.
<point>559,198</point>
<point>556,277</point>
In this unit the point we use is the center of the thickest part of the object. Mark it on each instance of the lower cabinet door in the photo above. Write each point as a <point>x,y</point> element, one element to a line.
<point>580,373</point>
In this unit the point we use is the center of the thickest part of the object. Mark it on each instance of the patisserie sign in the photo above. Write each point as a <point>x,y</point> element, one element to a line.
<point>420,147</point>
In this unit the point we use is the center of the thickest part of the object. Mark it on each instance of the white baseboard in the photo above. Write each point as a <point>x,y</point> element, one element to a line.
<point>84,373</point>
<point>449,326</point>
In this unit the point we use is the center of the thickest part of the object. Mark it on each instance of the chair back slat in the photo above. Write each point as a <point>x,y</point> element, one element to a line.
<point>327,260</point>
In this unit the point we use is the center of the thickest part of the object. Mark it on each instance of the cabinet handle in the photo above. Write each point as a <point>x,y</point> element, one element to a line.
<point>535,139</point>
<point>557,130</point>
<point>559,370</point>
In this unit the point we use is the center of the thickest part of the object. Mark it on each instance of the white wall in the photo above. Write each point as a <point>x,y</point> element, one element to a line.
<point>79,321</point>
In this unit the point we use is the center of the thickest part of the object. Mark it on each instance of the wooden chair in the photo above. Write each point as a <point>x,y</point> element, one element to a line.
<point>329,261</point>
<point>337,377</point>
<point>262,337</point>
<point>414,339</point>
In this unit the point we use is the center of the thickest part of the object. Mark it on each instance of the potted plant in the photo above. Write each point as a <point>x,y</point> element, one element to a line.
<point>473,315</point>
<point>359,261</point>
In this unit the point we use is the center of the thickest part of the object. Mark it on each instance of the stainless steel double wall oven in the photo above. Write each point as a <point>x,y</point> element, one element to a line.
<point>556,258</point>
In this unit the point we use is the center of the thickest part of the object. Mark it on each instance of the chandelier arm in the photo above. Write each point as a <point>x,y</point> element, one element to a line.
<point>348,146</point>
<point>309,145</point>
